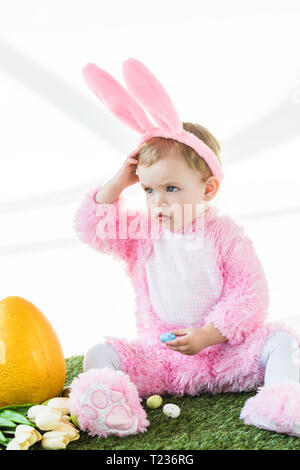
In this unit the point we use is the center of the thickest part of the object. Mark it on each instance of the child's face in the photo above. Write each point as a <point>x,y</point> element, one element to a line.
<point>175,190</point>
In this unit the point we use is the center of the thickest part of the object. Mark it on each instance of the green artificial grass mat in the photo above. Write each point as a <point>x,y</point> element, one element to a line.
<point>206,422</point>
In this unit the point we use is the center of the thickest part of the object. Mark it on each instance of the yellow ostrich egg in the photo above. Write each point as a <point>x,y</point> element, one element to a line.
<point>32,364</point>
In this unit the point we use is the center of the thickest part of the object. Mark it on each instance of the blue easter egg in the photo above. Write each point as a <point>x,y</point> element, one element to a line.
<point>167,337</point>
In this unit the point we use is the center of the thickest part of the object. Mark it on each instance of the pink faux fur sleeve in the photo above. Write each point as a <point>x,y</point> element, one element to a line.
<point>99,225</point>
<point>244,301</point>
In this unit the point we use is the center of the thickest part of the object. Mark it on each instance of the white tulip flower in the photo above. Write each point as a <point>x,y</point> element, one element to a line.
<point>68,430</point>
<point>54,440</point>
<point>60,403</point>
<point>28,432</point>
<point>18,443</point>
<point>54,418</point>
<point>66,419</point>
<point>32,412</point>
<point>47,418</point>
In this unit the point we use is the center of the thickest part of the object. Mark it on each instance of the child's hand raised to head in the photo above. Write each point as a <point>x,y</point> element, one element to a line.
<point>127,176</point>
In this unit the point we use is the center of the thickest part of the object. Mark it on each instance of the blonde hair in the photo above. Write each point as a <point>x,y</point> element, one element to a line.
<point>157,147</point>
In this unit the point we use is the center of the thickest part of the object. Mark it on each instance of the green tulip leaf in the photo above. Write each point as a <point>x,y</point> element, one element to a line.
<point>14,416</point>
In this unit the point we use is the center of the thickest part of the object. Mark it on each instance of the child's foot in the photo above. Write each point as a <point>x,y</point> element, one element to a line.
<point>106,402</point>
<point>275,408</point>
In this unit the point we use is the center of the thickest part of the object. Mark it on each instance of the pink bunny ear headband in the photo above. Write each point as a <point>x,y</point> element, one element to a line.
<point>146,88</point>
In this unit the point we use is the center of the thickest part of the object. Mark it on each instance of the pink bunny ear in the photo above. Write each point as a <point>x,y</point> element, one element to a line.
<point>147,89</point>
<point>116,98</point>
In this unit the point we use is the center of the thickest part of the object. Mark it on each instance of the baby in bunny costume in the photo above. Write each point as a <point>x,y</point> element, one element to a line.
<point>194,271</point>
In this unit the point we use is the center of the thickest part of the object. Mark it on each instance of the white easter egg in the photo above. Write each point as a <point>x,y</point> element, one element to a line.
<point>171,410</point>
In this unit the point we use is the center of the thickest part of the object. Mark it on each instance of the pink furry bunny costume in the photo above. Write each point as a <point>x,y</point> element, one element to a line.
<point>240,312</point>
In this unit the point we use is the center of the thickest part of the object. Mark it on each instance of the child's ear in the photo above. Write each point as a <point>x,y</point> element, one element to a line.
<point>211,188</point>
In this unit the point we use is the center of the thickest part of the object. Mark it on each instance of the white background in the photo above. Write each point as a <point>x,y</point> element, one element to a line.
<point>232,66</point>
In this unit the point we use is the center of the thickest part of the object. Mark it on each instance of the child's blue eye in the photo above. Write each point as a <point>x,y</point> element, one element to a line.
<point>172,187</point>
<point>146,189</point>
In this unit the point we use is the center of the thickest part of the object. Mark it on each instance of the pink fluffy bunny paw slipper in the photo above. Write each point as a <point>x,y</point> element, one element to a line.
<point>275,408</point>
<point>106,402</point>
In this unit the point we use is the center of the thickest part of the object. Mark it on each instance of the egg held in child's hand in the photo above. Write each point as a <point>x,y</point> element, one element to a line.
<point>32,364</point>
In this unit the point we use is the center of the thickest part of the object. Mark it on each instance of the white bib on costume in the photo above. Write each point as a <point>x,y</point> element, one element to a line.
<point>183,278</point>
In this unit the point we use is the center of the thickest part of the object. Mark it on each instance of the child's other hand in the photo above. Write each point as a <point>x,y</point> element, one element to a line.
<point>191,341</point>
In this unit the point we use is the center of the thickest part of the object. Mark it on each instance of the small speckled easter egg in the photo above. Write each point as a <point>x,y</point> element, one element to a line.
<point>167,337</point>
<point>154,402</point>
<point>171,410</point>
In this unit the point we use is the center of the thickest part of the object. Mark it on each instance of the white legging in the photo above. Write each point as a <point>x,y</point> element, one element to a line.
<point>279,357</point>
<point>99,356</point>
